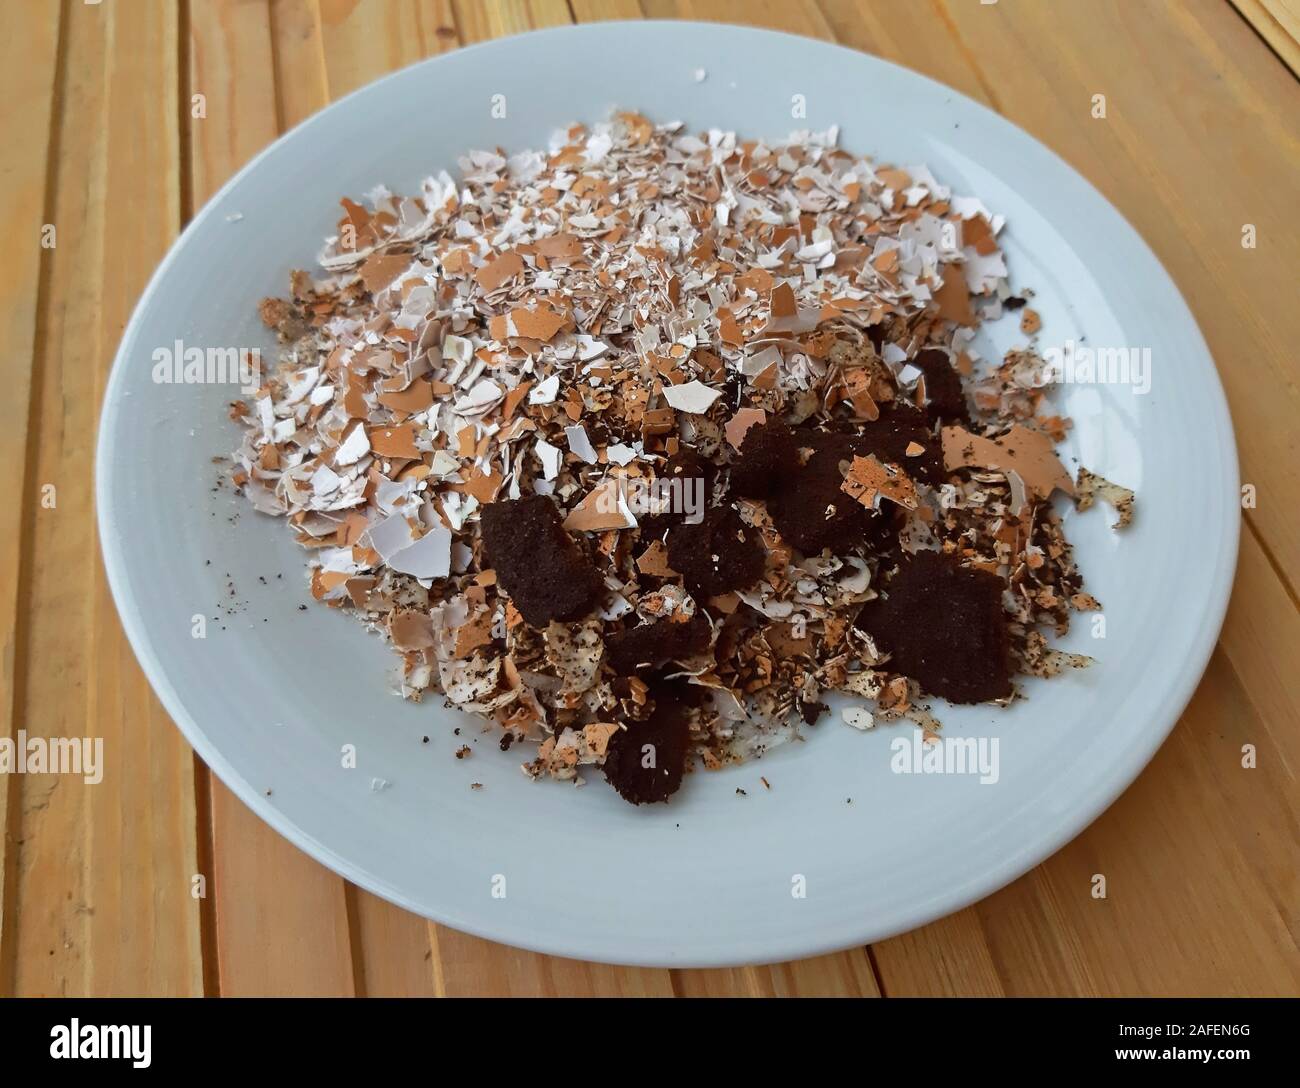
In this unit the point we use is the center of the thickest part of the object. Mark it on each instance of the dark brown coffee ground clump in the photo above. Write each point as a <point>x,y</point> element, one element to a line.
<point>766,455</point>
<point>719,554</point>
<point>812,512</point>
<point>545,571</point>
<point>688,466</point>
<point>943,391</point>
<point>806,502</point>
<point>651,644</point>
<point>888,438</point>
<point>687,463</point>
<point>661,740</point>
<point>943,626</point>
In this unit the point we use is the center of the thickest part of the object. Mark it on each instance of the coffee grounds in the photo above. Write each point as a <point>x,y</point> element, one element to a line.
<point>810,710</point>
<point>807,506</point>
<point>810,510</point>
<point>661,739</point>
<point>943,390</point>
<point>689,463</point>
<point>686,464</point>
<point>717,555</point>
<point>648,646</point>
<point>545,571</point>
<point>943,626</point>
<point>889,436</point>
<point>766,455</point>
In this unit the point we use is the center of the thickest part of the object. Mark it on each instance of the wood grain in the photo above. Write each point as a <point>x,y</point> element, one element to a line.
<point>1200,855</point>
<point>29,77</point>
<point>103,873</point>
<point>1278,23</point>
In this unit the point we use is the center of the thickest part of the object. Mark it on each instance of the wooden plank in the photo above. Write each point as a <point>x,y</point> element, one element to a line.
<point>362,41</point>
<point>281,919</point>
<point>847,973</point>
<point>353,44</point>
<point>99,914</point>
<point>596,11</point>
<point>296,46</point>
<point>337,47</point>
<point>476,22</point>
<point>28,70</point>
<point>390,947</point>
<point>841,974</point>
<point>1278,23</point>
<point>470,967</point>
<point>893,31</point>
<point>1261,637</point>
<point>793,16</point>
<point>948,958</point>
<point>397,952</point>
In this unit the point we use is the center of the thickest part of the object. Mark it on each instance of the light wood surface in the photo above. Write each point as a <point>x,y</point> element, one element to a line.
<point>1200,855</point>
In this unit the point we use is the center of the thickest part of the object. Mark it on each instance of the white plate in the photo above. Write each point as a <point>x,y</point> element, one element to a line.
<point>708,879</point>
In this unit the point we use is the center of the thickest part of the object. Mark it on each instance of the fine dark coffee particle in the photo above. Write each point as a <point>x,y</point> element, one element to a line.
<point>692,471</point>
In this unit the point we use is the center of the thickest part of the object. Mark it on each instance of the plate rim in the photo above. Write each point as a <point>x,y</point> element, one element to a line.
<point>1136,757</point>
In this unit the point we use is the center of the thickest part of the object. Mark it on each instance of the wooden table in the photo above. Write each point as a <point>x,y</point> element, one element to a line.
<point>1200,855</point>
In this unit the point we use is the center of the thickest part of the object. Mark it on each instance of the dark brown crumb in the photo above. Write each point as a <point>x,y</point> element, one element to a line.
<point>544,570</point>
<point>651,644</point>
<point>943,389</point>
<point>660,740</point>
<point>719,554</point>
<point>811,711</point>
<point>889,437</point>
<point>943,626</point>
<point>766,455</point>
<point>810,510</point>
<point>807,506</point>
<point>686,465</point>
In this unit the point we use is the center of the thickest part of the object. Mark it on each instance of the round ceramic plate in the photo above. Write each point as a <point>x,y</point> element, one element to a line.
<point>840,850</point>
